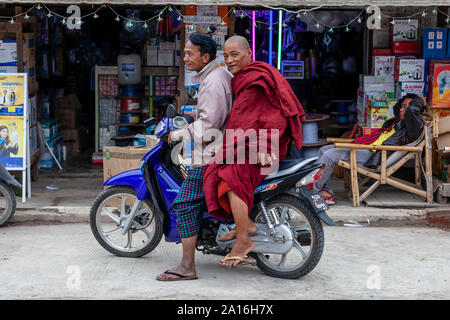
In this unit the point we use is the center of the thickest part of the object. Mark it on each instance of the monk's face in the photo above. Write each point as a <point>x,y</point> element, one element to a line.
<point>236,57</point>
<point>193,58</point>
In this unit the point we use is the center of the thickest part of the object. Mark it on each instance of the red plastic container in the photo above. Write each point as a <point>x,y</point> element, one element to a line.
<point>130,104</point>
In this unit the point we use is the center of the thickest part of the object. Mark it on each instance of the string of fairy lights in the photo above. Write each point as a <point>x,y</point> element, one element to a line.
<point>284,16</point>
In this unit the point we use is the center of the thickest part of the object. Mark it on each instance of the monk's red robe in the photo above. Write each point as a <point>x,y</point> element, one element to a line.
<point>263,100</point>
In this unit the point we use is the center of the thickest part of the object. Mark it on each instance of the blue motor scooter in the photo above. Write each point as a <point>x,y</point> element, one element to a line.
<point>130,217</point>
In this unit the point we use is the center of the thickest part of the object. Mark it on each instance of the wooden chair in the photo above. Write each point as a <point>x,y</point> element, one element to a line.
<point>389,165</point>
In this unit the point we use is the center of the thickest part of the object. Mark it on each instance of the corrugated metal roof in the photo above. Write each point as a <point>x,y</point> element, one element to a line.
<point>275,3</point>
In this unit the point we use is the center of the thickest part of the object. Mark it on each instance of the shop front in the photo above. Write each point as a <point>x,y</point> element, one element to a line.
<point>97,71</point>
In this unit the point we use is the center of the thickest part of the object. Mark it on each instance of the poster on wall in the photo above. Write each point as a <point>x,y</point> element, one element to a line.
<point>14,137</point>
<point>11,142</point>
<point>12,91</point>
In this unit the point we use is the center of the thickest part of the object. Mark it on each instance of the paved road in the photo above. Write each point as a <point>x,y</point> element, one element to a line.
<point>65,261</point>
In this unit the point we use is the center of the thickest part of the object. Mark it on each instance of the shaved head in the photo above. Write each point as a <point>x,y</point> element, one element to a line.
<point>240,41</point>
<point>237,53</point>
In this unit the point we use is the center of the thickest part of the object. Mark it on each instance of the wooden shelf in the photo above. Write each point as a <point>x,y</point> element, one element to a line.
<point>123,137</point>
<point>128,125</point>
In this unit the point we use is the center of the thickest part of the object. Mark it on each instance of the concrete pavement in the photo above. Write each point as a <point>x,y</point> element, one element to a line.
<point>67,197</point>
<point>66,262</point>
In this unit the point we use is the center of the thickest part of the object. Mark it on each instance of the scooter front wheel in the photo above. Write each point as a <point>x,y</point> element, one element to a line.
<point>108,214</point>
<point>7,203</point>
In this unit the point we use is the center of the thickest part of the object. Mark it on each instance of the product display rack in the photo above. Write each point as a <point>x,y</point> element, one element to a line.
<point>101,98</point>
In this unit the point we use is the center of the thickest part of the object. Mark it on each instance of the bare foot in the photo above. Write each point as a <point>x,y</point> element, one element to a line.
<point>182,270</point>
<point>252,229</point>
<point>240,249</point>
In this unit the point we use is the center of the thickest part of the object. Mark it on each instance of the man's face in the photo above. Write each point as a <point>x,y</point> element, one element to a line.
<point>405,105</point>
<point>236,57</point>
<point>193,59</point>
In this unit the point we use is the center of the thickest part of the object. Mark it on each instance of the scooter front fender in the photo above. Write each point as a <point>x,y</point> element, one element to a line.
<point>132,178</point>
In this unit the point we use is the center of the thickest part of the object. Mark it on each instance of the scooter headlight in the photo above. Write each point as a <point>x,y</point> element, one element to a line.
<point>179,122</point>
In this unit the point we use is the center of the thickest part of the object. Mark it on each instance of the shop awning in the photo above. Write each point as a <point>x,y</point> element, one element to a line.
<point>273,3</point>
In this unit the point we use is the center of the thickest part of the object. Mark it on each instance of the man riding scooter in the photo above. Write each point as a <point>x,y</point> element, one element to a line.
<point>213,106</point>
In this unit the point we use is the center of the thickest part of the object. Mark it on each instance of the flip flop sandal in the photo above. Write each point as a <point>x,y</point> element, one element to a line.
<point>242,261</point>
<point>180,277</point>
<point>330,200</point>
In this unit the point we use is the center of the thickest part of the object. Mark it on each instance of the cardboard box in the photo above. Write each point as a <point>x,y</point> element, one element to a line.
<point>166,57</point>
<point>68,102</point>
<point>68,119</point>
<point>376,83</point>
<point>410,87</point>
<point>443,141</point>
<point>70,134</point>
<point>8,69</point>
<point>120,159</point>
<point>411,70</point>
<point>406,48</point>
<point>8,52</point>
<point>378,116</point>
<point>434,43</point>
<point>383,66</point>
<point>404,30</point>
<point>67,110</point>
<point>152,55</point>
<point>444,125</point>
<point>382,52</point>
<point>72,148</point>
<point>439,84</point>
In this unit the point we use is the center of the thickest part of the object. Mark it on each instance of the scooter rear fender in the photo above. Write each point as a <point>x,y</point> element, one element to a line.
<point>132,178</point>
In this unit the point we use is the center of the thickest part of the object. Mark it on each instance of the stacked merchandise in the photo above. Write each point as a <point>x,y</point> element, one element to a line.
<point>409,70</point>
<point>51,130</point>
<point>67,111</point>
<point>130,91</point>
<point>436,48</point>
<point>130,108</point>
<point>375,102</point>
<point>159,91</point>
<point>163,54</point>
<point>108,103</point>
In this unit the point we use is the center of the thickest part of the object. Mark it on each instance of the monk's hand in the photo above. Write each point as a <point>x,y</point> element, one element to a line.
<point>265,159</point>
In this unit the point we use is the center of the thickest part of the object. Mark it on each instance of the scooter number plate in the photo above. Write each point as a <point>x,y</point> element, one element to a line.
<point>318,201</point>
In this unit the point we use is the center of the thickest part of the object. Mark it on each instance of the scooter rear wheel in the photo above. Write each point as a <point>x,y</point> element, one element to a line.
<point>308,239</point>
<point>108,212</point>
<point>7,203</point>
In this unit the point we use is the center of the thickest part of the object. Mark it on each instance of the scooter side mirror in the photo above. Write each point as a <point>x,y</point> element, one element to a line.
<point>193,93</point>
<point>171,111</point>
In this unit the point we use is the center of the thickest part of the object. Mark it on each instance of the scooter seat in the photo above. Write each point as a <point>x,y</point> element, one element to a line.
<point>290,166</point>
